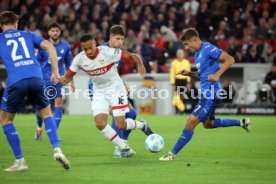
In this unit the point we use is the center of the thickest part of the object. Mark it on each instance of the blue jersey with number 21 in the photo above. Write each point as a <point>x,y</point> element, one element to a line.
<point>18,55</point>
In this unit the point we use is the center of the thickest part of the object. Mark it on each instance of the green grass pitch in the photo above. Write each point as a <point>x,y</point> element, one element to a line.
<point>223,155</point>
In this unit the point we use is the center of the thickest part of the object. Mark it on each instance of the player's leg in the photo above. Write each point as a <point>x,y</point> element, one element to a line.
<point>100,110</point>
<point>41,103</point>
<point>132,115</point>
<point>198,115</point>
<point>184,138</point>
<point>212,122</point>
<point>59,101</point>
<point>38,133</point>
<point>120,107</point>
<point>12,97</point>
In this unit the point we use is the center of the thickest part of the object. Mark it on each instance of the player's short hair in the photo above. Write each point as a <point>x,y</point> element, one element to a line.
<point>86,37</point>
<point>188,34</point>
<point>53,25</point>
<point>117,30</point>
<point>8,17</point>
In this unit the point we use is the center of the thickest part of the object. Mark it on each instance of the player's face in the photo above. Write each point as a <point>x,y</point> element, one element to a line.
<point>54,33</point>
<point>116,41</point>
<point>190,44</point>
<point>89,47</point>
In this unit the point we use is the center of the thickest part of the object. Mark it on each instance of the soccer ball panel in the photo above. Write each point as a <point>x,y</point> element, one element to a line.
<point>154,143</point>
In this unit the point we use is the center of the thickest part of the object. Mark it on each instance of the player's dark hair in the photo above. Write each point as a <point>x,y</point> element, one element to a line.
<point>86,37</point>
<point>53,25</point>
<point>8,17</point>
<point>117,30</point>
<point>188,34</point>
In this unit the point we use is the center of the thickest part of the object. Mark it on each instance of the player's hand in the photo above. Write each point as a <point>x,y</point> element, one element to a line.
<point>213,78</point>
<point>63,81</point>
<point>55,77</point>
<point>72,86</point>
<point>141,69</point>
<point>183,72</point>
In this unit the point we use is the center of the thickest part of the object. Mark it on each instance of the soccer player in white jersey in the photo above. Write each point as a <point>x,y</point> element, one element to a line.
<point>109,90</point>
<point>116,40</point>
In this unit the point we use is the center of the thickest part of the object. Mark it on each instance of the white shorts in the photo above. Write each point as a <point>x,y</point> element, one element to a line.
<point>102,103</point>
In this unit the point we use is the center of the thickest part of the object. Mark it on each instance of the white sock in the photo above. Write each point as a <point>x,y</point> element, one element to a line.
<point>133,124</point>
<point>111,134</point>
<point>57,149</point>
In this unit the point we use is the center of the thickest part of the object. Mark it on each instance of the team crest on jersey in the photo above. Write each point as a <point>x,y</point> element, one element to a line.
<point>62,51</point>
<point>101,62</point>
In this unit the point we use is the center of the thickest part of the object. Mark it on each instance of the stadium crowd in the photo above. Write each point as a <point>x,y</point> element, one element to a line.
<point>244,28</point>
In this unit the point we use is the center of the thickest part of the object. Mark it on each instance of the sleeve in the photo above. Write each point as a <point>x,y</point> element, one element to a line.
<point>37,40</point>
<point>68,57</point>
<point>113,54</point>
<point>172,73</point>
<point>213,51</point>
<point>75,65</point>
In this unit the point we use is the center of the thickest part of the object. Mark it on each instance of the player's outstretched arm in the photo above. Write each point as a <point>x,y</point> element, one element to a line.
<point>137,60</point>
<point>46,45</point>
<point>188,73</point>
<point>228,61</point>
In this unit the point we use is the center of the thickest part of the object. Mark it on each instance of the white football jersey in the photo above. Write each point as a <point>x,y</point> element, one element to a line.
<point>101,69</point>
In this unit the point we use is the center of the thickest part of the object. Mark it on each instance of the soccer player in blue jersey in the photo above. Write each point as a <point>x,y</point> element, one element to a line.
<point>207,57</point>
<point>54,91</point>
<point>25,78</point>
<point>116,40</point>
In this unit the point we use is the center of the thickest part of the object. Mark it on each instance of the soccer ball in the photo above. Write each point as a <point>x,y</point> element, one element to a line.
<point>154,143</point>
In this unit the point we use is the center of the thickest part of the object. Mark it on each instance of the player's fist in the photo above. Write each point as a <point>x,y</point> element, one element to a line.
<point>63,81</point>
<point>141,69</point>
<point>183,72</point>
<point>213,78</point>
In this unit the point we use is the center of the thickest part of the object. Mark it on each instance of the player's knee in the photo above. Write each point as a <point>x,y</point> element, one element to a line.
<point>101,121</point>
<point>101,124</point>
<point>59,102</point>
<point>191,123</point>
<point>208,124</point>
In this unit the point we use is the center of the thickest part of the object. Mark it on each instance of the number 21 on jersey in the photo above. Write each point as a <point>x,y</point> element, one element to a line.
<point>14,54</point>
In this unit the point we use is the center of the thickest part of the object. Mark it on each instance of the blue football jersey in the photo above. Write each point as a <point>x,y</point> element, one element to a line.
<point>207,63</point>
<point>64,58</point>
<point>18,55</point>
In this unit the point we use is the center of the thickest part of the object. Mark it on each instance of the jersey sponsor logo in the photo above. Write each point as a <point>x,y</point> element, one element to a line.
<point>99,71</point>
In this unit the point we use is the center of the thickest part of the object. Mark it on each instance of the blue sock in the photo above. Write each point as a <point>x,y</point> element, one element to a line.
<point>132,115</point>
<point>51,130</point>
<point>58,115</point>
<point>38,120</point>
<point>13,140</point>
<point>182,141</point>
<point>223,122</point>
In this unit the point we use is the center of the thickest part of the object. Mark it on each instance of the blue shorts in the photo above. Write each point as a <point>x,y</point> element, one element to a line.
<point>14,95</point>
<point>54,91</point>
<point>205,108</point>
